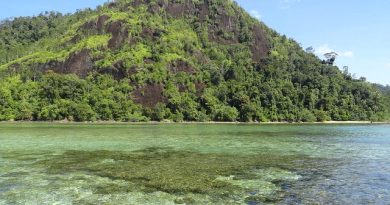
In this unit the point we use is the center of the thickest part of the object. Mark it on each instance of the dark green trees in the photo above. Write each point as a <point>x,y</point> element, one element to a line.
<point>169,60</point>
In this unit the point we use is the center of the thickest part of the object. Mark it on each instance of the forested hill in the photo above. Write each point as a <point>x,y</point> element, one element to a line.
<point>386,94</point>
<point>191,60</point>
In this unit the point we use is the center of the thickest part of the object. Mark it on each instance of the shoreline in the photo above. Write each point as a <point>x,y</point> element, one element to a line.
<point>209,122</point>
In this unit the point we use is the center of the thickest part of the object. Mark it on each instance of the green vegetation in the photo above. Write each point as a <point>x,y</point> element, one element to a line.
<point>59,97</point>
<point>386,99</point>
<point>170,60</point>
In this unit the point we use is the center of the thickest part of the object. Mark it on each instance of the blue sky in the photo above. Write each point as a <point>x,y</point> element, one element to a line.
<point>358,30</point>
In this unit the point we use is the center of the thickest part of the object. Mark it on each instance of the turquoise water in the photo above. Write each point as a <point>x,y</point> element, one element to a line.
<point>194,164</point>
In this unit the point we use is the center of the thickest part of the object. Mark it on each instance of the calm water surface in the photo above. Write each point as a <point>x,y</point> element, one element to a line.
<point>194,164</point>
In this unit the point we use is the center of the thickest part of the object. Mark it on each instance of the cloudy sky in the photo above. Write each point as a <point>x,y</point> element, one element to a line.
<point>358,31</point>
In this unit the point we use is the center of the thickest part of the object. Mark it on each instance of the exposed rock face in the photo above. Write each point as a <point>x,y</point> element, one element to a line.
<point>260,47</point>
<point>118,71</point>
<point>95,27</point>
<point>119,34</point>
<point>100,25</point>
<point>79,63</point>
<point>149,95</point>
<point>117,29</point>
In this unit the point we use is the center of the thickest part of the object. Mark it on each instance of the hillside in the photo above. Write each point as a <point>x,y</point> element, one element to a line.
<point>191,60</point>
<point>386,94</point>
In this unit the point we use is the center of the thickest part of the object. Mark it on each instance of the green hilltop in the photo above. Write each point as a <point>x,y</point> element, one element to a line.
<point>178,60</point>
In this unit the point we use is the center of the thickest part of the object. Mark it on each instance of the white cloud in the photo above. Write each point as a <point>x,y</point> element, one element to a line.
<point>321,50</point>
<point>255,14</point>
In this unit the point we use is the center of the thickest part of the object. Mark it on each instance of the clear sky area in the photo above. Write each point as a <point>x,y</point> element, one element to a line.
<point>358,31</point>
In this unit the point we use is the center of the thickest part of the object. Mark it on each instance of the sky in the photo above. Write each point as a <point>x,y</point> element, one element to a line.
<point>358,31</point>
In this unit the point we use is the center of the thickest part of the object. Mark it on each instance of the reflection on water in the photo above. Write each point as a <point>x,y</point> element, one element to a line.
<point>194,164</point>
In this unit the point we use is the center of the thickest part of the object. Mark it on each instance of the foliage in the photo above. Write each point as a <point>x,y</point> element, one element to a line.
<point>129,61</point>
<point>386,99</point>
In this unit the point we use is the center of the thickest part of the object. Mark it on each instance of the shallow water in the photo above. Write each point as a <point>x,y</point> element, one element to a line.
<point>194,164</point>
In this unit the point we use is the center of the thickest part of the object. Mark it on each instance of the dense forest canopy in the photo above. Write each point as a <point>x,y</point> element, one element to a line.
<point>386,95</point>
<point>179,60</point>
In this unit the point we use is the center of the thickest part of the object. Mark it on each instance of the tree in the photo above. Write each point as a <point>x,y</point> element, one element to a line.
<point>330,58</point>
